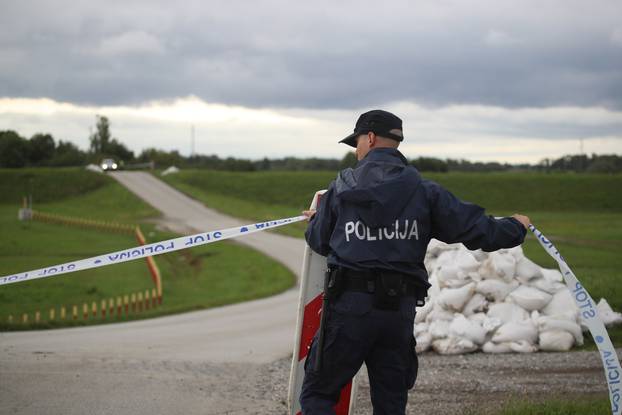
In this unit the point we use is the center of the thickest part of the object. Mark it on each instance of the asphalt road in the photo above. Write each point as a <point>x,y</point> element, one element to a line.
<point>199,362</point>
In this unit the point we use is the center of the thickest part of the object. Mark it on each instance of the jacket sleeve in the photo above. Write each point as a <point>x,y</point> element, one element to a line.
<point>321,226</point>
<point>456,221</point>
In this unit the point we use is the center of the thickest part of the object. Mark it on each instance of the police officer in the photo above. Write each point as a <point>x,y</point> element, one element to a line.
<point>374,224</point>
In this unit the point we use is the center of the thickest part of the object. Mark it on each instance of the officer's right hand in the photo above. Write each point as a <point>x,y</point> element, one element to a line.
<point>522,219</point>
<point>308,213</point>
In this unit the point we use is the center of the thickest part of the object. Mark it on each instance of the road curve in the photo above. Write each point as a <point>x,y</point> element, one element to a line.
<point>34,365</point>
<point>184,215</point>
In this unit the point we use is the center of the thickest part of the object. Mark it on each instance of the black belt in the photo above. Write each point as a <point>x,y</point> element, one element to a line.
<point>365,281</point>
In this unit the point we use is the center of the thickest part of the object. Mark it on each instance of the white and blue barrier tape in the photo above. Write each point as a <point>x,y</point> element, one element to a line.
<point>587,307</point>
<point>143,251</point>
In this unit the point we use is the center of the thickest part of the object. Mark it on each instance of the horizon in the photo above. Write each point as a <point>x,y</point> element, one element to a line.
<point>481,81</point>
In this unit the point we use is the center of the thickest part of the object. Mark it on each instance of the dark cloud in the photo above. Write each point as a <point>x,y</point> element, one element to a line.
<point>320,55</point>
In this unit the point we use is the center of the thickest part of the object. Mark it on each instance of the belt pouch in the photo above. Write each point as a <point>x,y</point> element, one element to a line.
<point>388,291</point>
<point>335,283</point>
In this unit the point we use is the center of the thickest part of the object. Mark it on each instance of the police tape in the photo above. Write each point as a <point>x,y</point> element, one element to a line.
<point>144,251</point>
<point>589,313</point>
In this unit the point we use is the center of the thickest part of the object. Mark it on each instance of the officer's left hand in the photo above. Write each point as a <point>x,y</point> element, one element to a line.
<point>522,219</point>
<point>308,213</point>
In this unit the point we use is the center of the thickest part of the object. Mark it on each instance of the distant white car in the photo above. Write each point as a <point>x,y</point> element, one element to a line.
<point>109,164</point>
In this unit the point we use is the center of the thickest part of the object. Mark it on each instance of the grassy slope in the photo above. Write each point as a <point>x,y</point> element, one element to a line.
<point>47,185</point>
<point>575,405</point>
<point>581,213</point>
<point>203,277</point>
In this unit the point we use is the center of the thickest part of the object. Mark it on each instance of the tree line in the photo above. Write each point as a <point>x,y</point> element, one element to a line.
<point>42,150</point>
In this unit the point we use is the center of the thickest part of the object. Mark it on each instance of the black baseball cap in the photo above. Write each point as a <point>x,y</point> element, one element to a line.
<point>383,123</point>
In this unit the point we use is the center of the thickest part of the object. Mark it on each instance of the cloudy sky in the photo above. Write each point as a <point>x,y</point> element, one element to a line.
<point>482,80</point>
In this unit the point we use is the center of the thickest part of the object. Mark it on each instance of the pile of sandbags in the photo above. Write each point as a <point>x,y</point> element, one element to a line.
<point>498,302</point>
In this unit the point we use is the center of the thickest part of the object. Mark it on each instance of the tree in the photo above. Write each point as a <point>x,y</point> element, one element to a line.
<point>41,148</point>
<point>264,164</point>
<point>13,149</point>
<point>607,163</point>
<point>101,138</point>
<point>68,154</point>
<point>161,157</point>
<point>349,160</point>
<point>116,149</point>
<point>103,145</point>
<point>430,164</point>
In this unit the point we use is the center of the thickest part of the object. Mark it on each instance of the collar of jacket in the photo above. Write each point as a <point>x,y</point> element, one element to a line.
<point>384,154</point>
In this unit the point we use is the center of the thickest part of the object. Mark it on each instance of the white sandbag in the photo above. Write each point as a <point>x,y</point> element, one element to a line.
<point>547,286</point>
<point>494,289</point>
<point>468,329</point>
<point>507,312</point>
<point>606,313</point>
<point>439,313</point>
<point>570,315</point>
<point>434,289</point>
<point>455,298</point>
<point>515,331</point>
<point>546,323</point>
<point>530,298</point>
<point>466,261</point>
<point>479,317</point>
<point>436,247</point>
<point>553,275</point>
<point>453,345</point>
<point>461,280</point>
<point>170,170</point>
<point>491,324</point>
<point>446,257</point>
<point>523,346</point>
<point>423,311</point>
<point>424,341</point>
<point>555,341</point>
<point>561,302</point>
<point>474,276</point>
<point>439,329</point>
<point>446,273</point>
<point>421,328</point>
<point>516,252</point>
<point>475,304</point>
<point>527,270</point>
<point>94,167</point>
<point>480,255</point>
<point>498,265</point>
<point>491,347</point>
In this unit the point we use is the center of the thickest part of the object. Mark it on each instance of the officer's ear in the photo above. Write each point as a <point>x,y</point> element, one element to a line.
<point>371,139</point>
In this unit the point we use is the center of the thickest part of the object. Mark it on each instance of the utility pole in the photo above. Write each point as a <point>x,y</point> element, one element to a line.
<point>192,140</point>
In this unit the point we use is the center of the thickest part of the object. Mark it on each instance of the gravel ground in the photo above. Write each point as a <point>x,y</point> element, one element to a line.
<point>109,384</point>
<point>452,384</point>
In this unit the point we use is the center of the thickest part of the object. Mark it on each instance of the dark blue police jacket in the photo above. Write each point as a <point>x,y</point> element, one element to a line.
<point>382,215</point>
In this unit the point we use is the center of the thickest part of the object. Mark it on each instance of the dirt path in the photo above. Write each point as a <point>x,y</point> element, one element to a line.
<point>235,359</point>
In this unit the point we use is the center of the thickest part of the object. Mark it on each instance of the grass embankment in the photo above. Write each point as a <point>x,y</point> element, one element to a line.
<point>582,214</point>
<point>589,405</point>
<point>203,277</point>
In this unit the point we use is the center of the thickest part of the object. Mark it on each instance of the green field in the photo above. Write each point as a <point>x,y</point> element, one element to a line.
<point>582,214</point>
<point>203,277</point>
<point>575,405</point>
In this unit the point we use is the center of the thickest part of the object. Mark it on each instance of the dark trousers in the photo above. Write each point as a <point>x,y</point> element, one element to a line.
<point>356,332</point>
